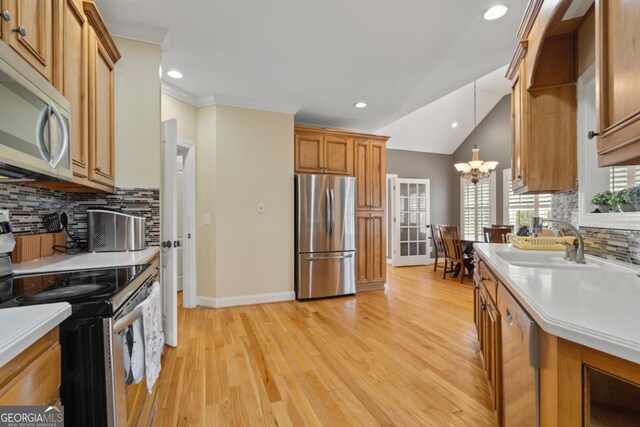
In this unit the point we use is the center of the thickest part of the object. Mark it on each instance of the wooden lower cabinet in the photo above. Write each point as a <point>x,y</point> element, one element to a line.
<point>487,320</point>
<point>33,377</point>
<point>371,263</point>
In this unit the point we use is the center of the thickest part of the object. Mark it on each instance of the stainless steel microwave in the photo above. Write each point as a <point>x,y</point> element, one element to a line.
<point>34,124</point>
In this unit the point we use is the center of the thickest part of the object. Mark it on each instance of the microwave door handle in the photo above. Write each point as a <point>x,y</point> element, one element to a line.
<point>63,134</point>
<point>41,128</point>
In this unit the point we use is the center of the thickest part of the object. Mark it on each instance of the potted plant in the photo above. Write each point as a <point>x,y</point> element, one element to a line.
<point>626,201</point>
<point>602,200</point>
<point>633,196</point>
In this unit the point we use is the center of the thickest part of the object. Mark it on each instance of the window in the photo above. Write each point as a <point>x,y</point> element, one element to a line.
<point>519,209</point>
<point>621,177</point>
<point>478,207</point>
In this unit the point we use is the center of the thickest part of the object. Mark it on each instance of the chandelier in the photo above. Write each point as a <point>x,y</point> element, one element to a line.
<point>476,169</point>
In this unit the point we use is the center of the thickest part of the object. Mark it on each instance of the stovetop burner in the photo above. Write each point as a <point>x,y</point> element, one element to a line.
<point>88,291</point>
<point>67,293</point>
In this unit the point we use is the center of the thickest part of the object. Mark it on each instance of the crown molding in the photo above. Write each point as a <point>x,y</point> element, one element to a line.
<point>181,94</point>
<point>252,104</point>
<point>230,101</point>
<point>139,32</point>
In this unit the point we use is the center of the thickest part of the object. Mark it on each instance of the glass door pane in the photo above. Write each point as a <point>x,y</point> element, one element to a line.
<point>412,216</point>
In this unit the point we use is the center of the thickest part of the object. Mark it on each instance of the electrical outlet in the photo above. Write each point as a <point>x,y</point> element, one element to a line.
<point>207,219</point>
<point>260,207</point>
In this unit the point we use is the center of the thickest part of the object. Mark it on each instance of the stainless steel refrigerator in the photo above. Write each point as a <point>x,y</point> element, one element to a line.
<point>325,236</point>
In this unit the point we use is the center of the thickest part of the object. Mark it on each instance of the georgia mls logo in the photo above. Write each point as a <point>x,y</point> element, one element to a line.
<point>31,416</point>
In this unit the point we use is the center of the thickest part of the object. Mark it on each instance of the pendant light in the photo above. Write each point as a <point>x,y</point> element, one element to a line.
<point>475,169</point>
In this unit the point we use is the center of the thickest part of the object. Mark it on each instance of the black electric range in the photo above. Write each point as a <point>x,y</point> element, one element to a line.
<point>98,298</point>
<point>94,292</point>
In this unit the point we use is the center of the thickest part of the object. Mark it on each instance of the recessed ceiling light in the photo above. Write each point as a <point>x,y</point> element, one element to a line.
<point>360,104</point>
<point>495,12</point>
<point>454,125</point>
<point>174,74</point>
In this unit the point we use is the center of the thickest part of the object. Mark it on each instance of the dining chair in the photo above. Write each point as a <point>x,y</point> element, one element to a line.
<point>454,252</point>
<point>496,234</point>
<point>438,247</point>
<point>509,226</point>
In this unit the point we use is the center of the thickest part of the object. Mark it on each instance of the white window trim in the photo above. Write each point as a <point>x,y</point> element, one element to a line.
<point>506,180</point>
<point>492,201</point>
<point>621,220</point>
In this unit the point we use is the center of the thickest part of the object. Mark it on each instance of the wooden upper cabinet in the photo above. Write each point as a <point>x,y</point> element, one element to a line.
<point>517,118</point>
<point>618,81</point>
<point>370,163</point>
<point>338,155</point>
<point>30,32</point>
<point>101,113</point>
<point>309,153</point>
<point>75,84</point>
<point>102,56</point>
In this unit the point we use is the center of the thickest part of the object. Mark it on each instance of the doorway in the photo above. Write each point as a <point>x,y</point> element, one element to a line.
<point>389,218</point>
<point>411,222</point>
<point>186,221</point>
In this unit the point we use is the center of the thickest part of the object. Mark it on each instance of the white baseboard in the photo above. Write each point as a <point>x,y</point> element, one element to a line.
<point>246,299</point>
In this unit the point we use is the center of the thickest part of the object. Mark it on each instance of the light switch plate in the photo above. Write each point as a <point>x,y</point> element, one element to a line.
<point>261,207</point>
<point>207,219</point>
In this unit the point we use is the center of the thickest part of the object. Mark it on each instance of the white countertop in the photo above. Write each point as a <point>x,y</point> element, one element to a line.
<point>598,309</point>
<point>23,326</point>
<point>81,261</point>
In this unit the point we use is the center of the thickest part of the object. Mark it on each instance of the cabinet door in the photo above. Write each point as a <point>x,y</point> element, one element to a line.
<point>75,84</point>
<point>101,114</point>
<point>618,68</point>
<point>363,175</point>
<point>377,248</point>
<point>518,95</point>
<point>309,153</point>
<point>338,155</point>
<point>377,171</point>
<point>33,18</point>
<point>363,245</point>
<point>493,351</point>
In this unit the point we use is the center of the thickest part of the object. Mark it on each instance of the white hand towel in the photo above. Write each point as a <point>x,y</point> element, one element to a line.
<point>153,334</point>
<point>137,352</point>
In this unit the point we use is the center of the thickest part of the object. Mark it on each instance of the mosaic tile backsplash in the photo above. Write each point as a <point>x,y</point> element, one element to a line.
<point>28,204</point>
<point>609,243</point>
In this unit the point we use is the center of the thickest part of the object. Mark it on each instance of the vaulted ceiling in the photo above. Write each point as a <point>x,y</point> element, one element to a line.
<point>322,56</point>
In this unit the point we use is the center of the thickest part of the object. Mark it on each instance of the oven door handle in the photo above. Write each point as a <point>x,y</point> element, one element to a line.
<point>127,320</point>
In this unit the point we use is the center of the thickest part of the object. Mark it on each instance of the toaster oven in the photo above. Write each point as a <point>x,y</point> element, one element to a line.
<point>115,231</point>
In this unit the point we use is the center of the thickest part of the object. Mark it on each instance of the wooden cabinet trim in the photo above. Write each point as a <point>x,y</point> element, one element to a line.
<point>97,23</point>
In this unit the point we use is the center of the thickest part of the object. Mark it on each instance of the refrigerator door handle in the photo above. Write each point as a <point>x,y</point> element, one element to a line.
<point>327,216</point>
<point>333,211</point>
<point>322,257</point>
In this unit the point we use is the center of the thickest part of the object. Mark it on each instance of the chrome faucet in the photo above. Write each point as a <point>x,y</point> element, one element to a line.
<point>571,254</point>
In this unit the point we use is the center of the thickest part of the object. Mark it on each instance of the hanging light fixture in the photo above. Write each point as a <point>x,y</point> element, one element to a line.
<point>476,169</point>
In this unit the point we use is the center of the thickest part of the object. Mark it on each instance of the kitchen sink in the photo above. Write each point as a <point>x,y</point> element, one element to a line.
<point>553,259</point>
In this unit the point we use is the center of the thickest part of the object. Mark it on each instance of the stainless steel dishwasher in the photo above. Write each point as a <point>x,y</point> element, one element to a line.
<point>520,363</point>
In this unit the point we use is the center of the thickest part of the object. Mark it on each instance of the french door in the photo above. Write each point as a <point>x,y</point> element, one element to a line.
<point>411,221</point>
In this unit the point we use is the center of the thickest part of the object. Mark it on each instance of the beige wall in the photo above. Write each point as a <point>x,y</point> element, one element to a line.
<point>186,114</point>
<point>254,252</point>
<point>587,43</point>
<point>137,111</point>
<point>206,200</point>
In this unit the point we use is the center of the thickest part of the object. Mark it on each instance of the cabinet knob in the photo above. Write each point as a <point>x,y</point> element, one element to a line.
<point>20,30</point>
<point>484,307</point>
<point>98,169</point>
<point>592,134</point>
<point>6,15</point>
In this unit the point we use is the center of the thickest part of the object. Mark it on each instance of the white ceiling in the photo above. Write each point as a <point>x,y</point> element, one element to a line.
<point>429,128</point>
<point>322,56</point>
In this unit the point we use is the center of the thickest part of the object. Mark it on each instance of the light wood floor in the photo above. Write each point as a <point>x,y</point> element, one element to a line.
<point>405,356</point>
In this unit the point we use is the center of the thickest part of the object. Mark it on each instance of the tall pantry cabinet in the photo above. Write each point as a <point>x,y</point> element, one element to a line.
<point>363,156</point>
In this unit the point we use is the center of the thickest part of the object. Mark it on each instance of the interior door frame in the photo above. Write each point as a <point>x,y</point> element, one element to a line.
<point>189,272</point>
<point>389,216</point>
<point>427,256</point>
